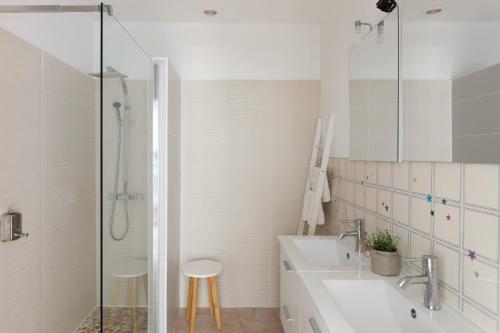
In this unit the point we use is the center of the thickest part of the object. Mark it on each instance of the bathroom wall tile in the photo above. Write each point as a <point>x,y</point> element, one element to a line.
<point>480,289</point>
<point>360,171</point>
<point>371,199</point>
<point>447,181</point>
<point>481,185</point>
<point>384,177</point>
<point>420,217</point>
<point>383,224</point>
<point>421,174</point>
<point>360,195</point>
<point>404,239</point>
<point>384,204</point>
<point>350,169</point>
<point>59,77</point>
<point>419,245</point>
<point>447,223</point>
<point>350,192</point>
<point>20,58</point>
<point>449,263</point>
<point>486,323</point>
<point>449,298</point>
<point>58,114</point>
<point>401,175</point>
<point>23,97</point>
<point>349,212</point>
<point>342,167</point>
<point>371,172</point>
<point>371,223</point>
<point>401,207</point>
<point>481,233</point>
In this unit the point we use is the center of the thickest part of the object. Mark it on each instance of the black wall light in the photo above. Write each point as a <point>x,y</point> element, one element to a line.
<point>387,5</point>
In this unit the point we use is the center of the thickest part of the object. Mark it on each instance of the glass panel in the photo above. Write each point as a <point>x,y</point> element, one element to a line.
<point>126,117</point>
<point>450,71</point>
<point>48,172</point>
<point>374,92</point>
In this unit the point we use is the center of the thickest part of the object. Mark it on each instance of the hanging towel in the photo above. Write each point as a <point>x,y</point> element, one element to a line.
<point>313,178</point>
<point>308,207</point>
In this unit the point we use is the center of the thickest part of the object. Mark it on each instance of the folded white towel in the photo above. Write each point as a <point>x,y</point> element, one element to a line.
<point>313,178</point>
<point>308,207</point>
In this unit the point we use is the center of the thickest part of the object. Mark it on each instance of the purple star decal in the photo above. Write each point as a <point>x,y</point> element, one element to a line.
<point>448,217</point>
<point>386,208</point>
<point>472,255</point>
<point>429,198</point>
<point>444,201</point>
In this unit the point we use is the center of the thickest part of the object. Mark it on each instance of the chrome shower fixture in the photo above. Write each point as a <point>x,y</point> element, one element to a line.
<point>358,24</point>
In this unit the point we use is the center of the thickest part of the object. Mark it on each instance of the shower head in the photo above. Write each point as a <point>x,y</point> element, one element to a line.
<point>110,73</point>
<point>117,105</point>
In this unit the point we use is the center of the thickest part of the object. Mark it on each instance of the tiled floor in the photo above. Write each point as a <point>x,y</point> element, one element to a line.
<point>116,320</point>
<point>242,320</point>
<point>134,320</point>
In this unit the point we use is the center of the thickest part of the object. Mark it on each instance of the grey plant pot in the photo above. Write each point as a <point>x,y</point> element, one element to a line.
<point>385,263</point>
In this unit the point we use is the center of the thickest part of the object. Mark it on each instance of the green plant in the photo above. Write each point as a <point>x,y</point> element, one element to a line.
<point>383,240</point>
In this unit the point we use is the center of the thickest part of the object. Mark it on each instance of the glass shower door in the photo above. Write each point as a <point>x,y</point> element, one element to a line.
<point>127,79</point>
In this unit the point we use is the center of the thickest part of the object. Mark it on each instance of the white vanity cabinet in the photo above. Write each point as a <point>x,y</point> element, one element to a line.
<point>289,295</point>
<point>310,319</point>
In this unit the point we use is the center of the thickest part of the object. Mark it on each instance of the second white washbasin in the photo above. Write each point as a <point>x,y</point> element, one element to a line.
<point>376,306</point>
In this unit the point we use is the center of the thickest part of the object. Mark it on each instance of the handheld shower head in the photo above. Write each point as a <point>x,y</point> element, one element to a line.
<point>117,106</point>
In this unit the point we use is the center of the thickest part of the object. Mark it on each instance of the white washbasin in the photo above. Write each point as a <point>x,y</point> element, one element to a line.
<point>376,306</point>
<point>325,252</point>
<point>322,254</point>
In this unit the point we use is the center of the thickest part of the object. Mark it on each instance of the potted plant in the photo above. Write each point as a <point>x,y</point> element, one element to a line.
<point>385,256</point>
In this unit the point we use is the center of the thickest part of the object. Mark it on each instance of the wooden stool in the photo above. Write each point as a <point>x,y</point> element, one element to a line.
<point>196,270</point>
<point>131,271</point>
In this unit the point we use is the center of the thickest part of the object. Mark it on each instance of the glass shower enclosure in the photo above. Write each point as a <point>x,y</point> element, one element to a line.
<point>78,124</point>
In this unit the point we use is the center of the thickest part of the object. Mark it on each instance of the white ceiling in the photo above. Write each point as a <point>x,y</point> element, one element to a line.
<point>192,10</point>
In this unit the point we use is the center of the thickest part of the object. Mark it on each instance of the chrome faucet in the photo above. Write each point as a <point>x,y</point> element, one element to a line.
<point>429,278</point>
<point>359,233</point>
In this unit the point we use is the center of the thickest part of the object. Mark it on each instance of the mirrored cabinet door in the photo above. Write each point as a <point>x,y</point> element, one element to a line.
<point>374,92</point>
<point>451,81</point>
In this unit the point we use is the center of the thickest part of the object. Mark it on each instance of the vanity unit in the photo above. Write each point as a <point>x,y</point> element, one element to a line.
<point>327,287</point>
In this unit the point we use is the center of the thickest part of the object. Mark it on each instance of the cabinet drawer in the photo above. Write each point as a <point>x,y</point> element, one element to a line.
<point>289,296</point>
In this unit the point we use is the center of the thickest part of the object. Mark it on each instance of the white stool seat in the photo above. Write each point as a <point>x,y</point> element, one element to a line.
<point>131,269</point>
<point>202,269</point>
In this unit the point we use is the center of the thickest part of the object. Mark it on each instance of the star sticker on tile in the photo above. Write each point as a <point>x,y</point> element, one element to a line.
<point>448,217</point>
<point>444,201</point>
<point>383,204</point>
<point>432,213</point>
<point>429,198</point>
<point>472,255</point>
<point>362,183</point>
<point>386,208</point>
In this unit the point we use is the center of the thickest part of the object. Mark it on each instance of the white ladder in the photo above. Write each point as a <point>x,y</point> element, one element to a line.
<point>317,204</point>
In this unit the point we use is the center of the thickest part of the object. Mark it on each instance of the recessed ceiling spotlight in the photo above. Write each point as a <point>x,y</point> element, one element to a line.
<point>434,11</point>
<point>210,12</point>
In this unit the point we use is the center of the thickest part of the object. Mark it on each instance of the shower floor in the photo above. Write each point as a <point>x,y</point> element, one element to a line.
<point>116,320</point>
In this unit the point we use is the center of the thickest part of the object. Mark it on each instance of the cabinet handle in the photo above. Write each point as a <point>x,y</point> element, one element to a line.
<point>314,325</point>
<point>287,314</point>
<point>287,265</point>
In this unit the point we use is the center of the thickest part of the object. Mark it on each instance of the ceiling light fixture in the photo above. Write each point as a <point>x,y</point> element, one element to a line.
<point>434,11</point>
<point>210,12</point>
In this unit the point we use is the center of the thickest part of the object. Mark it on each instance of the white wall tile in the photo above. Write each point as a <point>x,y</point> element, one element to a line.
<point>360,171</point>
<point>421,174</point>
<point>360,195</point>
<point>420,217</point>
<point>481,185</point>
<point>384,203</point>
<point>371,199</point>
<point>401,207</point>
<point>384,177</point>
<point>350,169</point>
<point>447,181</point>
<point>449,264</point>
<point>447,223</point>
<point>488,324</point>
<point>419,245</point>
<point>371,172</point>
<point>404,240</point>
<point>481,233</point>
<point>481,291</point>
<point>401,175</point>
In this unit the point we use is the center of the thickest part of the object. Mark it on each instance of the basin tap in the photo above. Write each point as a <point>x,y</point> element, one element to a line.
<point>359,233</point>
<point>429,278</point>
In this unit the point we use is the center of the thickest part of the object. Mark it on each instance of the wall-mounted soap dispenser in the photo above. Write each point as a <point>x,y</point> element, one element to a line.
<point>11,226</point>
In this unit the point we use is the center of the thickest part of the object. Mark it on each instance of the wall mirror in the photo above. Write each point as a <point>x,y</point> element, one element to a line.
<point>450,80</point>
<point>373,91</point>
